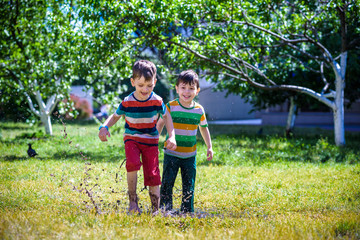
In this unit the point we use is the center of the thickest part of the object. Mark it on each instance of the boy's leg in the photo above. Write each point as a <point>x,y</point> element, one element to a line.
<point>133,198</point>
<point>133,164</point>
<point>150,160</point>
<point>170,170</point>
<point>188,175</point>
<point>154,192</point>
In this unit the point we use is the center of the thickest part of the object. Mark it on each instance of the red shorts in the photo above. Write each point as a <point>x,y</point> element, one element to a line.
<point>149,160</point>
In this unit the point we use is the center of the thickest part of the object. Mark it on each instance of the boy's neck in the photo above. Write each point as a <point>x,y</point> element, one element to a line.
<point>187,105</point>
<point>139,98</point>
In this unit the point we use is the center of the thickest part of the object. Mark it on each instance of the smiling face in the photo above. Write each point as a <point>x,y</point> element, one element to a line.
<point>187,92</point>
<point>143,88</point>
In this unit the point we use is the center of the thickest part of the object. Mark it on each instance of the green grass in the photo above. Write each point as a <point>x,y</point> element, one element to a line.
<point>256,187</point>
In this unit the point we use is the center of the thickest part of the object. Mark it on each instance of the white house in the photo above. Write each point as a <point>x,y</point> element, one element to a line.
<point>219,107</point>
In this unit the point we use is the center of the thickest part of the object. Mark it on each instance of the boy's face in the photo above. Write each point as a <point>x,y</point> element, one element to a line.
<point>143,88</point>
<point>186,93</point>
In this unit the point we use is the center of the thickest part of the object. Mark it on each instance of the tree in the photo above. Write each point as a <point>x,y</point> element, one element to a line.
<point>46,45</point>
<point>37,50</point>
<point>111,44</point>
<point>258,43</point>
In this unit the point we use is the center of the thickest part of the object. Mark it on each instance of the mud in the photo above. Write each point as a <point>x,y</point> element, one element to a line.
<point>155,202</point>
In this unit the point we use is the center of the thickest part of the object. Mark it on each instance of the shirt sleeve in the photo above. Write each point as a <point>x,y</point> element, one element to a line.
<point>203,121</point>
<point>167,109</point>
<point>163,109</point>
<point>120,110</point>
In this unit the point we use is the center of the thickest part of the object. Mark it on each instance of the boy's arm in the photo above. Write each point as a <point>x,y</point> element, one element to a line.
<point>110,121</point>
<point>206,136</point>
<point>170,142</point>
<point>160,125</point>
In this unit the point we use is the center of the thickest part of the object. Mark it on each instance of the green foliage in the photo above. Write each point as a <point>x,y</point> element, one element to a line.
<point>37,46</point>
<point>47,45</point>
<point>344,228</point>
<point>219,38</point>
<point>270,149</point>
<point>241,147</point>
<point>15,109</point>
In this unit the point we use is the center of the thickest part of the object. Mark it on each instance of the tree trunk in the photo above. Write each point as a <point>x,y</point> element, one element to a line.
<point>291,117</point>
<point>45,119</point>
<point>339,126</point>
<point>338,110</point>
<point>45,110</point>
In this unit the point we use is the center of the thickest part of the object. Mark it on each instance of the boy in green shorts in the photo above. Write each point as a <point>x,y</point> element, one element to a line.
<point>187,115</point>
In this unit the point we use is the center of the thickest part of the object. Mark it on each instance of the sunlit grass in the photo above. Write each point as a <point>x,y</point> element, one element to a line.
<point>256,187</point>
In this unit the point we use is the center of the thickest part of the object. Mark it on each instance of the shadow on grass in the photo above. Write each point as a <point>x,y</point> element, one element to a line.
<point>15,127</point>
<point>81,122</point>
<point>243,145</point>
<point>230,213</point>
<point>88,157</point>
<point>213,162</point>
<point>13,158</point>
<point>73,156</point>
<point>26,138</point>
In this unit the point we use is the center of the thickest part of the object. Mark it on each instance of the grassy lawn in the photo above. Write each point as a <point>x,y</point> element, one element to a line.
<point>257,187</point>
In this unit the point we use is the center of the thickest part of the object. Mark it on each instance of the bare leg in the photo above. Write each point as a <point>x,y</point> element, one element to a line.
<point>133,198</point>
<point>154,192</point>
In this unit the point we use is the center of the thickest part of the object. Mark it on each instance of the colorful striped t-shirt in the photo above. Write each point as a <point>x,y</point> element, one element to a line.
<point>186,122</point>
<point>141,118</point>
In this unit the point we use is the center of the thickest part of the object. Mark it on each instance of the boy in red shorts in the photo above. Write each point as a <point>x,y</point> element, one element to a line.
<point>141,110</point>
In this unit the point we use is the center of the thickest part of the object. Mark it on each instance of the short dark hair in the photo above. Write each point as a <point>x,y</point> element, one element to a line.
<point>188,77</point>
<point>144,68</point>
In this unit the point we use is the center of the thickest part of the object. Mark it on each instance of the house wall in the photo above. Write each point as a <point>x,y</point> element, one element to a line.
<point>308,118</point>
<point>278,115</point>
<point>219,107</point>
<point>82,100</point>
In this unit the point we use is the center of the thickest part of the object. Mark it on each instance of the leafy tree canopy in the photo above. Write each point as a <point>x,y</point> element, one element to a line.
<point>298,46</point>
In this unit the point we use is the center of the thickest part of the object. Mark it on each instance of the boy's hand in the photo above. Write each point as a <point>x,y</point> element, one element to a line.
<point>209,154</point>
<point>171,143</point>
<point>103,133</point>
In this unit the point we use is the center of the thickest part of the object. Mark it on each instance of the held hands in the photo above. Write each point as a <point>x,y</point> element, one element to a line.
<point>103,133</point>
<point>210,154</point>
<point>171,143</point>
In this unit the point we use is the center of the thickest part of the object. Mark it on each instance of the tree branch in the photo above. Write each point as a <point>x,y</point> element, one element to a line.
<point>285,41</point>
<point>300,89</point>
<point>28,98</point>
<point>53,105</point>
<point>300,40</point>
<point>122,50</point>
<point>323,78</point>
<point>354,43</point>
<point>39,99</point>
<point>289,42</point>
<point>303,64</point>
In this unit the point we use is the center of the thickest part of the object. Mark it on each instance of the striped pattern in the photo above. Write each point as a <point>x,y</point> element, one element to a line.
<point>186,122</point>
<point>141,118</point>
